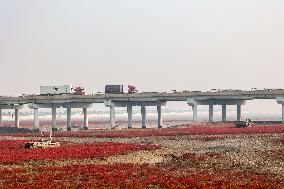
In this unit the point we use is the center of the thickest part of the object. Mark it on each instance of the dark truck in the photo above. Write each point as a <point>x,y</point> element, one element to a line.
<point>243,124</point>
<point>114,89</point>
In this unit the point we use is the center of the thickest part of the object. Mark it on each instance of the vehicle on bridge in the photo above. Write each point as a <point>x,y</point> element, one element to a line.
<point>114,89</point>
<point>132,89</point>
<point>118,89</point>
<point>61,90</point>
<point>79,91</point>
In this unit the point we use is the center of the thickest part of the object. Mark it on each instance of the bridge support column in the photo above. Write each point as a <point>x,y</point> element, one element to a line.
<point>282,113</point>
<point>224,112</point>
<point>17,121</point>
<point>143,114</point>
<point>129,112</point>
<point>160,119</point>
<point>194,113</point>
<point>280,100</point>
<point>53,112</point>
<point>69,120</point>
<point>0,117</point>
<point>211,113</point>
<point>36,119</point>
<point>112,117</point>
<point>86,119</point>
<point>239,112</point>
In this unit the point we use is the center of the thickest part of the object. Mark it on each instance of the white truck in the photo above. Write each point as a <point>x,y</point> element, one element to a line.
<point>56,90</point>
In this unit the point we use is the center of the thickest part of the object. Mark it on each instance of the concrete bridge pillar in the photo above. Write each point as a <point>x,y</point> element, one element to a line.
<point>239,112</point>
<point>129,112</point>
<point>53,116</point>
<point>224,112</point>
<point>86,119</point>
<point>194,113</point>
<point>280,100</point>
<point>112,117</point>
<point>160,119</point>
<point>36,119</point>
<point>282,113</point>
<point>0,117</point>
<point>82,105</point>
<point>193,103</point>
<point>69,119</point>
<point>211,110</point>
<point>17,121</point>
<point>132,102</point>
<point>143,114</point>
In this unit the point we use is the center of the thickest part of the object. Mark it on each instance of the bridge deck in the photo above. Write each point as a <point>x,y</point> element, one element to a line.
<point>146,96</point>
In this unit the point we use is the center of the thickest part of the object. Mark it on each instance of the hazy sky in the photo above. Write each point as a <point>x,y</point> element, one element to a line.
<point>154,44</point>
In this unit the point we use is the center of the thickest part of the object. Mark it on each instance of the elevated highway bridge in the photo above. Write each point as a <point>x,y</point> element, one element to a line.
<point>144,99</point>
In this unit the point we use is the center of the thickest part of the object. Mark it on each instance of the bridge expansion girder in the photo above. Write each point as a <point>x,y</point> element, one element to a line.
<point>133,103</point>
<point>4,106</point>
<point>77,105</point>
<point>36,106</point>
<point>192,101</point>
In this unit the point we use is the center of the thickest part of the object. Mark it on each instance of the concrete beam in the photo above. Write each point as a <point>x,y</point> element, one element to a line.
<point>4,106</point>
<point>224,112</point>
<point>33,105</point>
<point>280,100</point>
<point>143,114</point>
<point>36,119</point>
<point>110,103</point>
<point>222,98</point>
<point>86,119</point>
<point>198,101</point>
<point>192,102</point>
<point>129,112</point>
<point>77,105</point>
<point>160,119</point>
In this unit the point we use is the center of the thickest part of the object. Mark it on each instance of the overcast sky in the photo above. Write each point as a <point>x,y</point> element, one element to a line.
<point>154,44</point>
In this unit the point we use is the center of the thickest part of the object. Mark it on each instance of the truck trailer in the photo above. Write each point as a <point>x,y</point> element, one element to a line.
<point>114,89</point>
<point>56,90</point>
